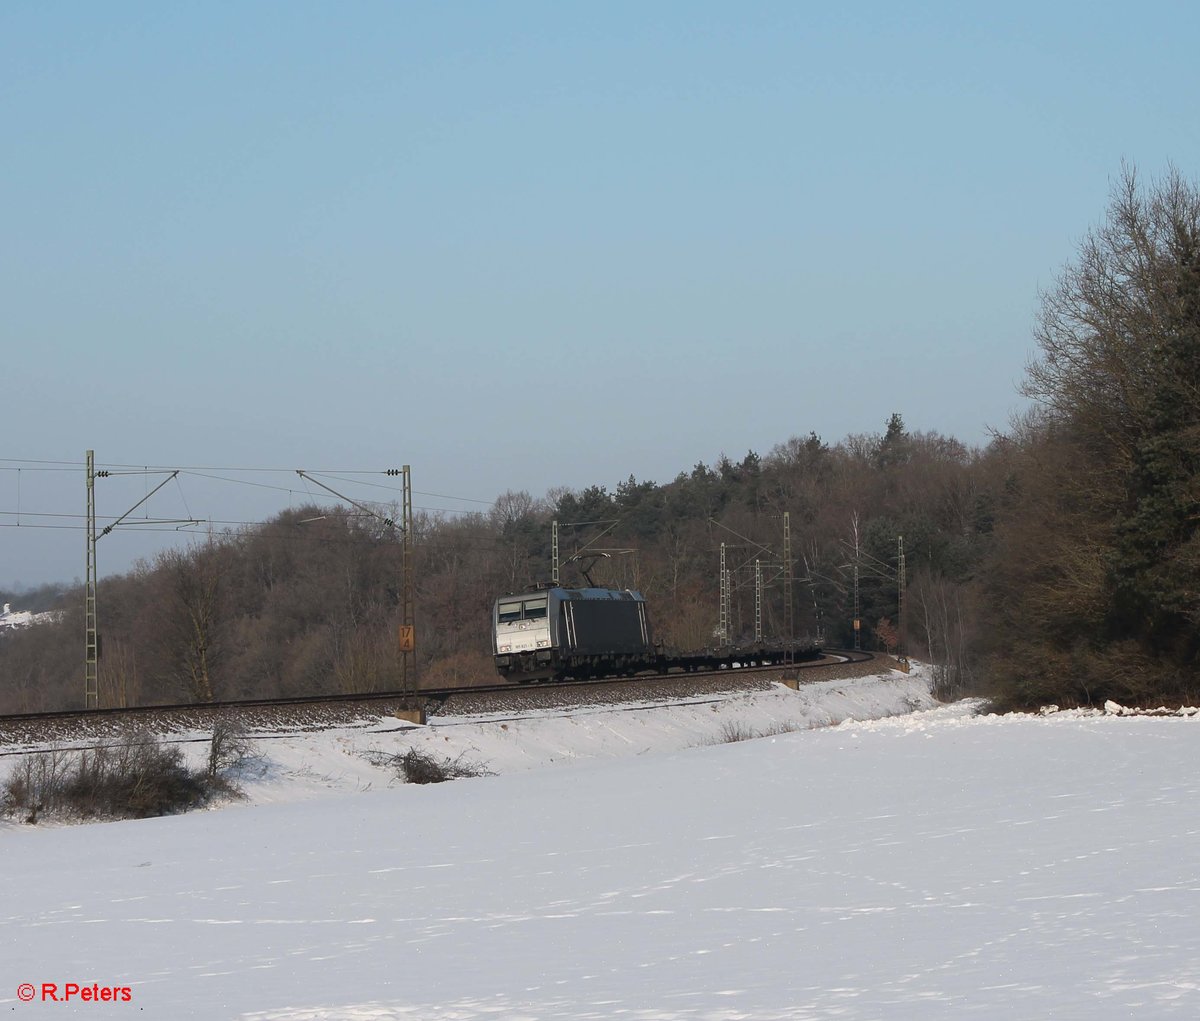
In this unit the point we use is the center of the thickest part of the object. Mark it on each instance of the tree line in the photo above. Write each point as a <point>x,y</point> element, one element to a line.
<point>1056,563</point>
<point>309,601</point>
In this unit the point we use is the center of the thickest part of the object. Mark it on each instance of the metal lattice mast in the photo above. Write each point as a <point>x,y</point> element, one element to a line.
<point>554,551</point>
<point>789,620</point>
<point>408,630</point>
<point>91,685</point>
<point>91,680</point>
<point>724,629</point>
<point>900,584</point>
<point>758,600</point>
<point>857,618</point>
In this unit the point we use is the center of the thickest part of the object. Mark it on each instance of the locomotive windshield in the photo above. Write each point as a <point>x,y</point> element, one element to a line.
<point>530,609</point>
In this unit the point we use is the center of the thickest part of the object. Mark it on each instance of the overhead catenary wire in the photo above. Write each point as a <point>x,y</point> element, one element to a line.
<point>230,522</point>
<point>117,470</point>
<point>195,525</point>
<point>199,473</point>
<point>149,527</point>
<point>16,464</point>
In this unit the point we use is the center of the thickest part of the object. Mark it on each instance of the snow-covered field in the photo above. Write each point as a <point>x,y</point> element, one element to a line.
<point>930,865</point>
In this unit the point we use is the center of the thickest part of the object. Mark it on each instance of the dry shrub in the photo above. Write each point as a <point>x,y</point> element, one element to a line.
<point>421,767</point>
<point>134,778</point>
<point>733,731</point>
<point>231,754</point>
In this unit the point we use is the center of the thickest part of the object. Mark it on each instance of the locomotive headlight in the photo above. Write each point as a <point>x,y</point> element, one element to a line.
<point>543,643</point>
<point>506,648</point>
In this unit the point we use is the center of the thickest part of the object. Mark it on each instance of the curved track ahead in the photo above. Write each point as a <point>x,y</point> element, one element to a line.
<point>389,700</point>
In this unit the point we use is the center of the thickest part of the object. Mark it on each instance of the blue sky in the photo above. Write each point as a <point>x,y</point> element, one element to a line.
<point>528,245</point>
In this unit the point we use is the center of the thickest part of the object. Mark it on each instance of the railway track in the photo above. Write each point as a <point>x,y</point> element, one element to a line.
<point>318,711</point>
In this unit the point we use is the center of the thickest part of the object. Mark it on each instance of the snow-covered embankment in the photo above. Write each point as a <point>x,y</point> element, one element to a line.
<point>357,757</point>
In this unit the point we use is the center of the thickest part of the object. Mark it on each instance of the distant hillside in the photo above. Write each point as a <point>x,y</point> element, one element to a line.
<point>35,600</point>
<point>308,602</point>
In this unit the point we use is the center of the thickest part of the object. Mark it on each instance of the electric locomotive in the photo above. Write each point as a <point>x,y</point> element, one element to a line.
<point>555,632</point>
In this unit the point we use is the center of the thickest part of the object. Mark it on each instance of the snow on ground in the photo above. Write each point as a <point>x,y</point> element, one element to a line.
<point>11,619</point>
<point>354,758</point>
<point>297,765</point>
<point>931,865</point>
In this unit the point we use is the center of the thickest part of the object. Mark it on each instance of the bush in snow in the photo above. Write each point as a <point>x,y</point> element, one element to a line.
<point>230,754</point>
<point>133,778</point>
<point>421,767</point>
<point>733,731</point>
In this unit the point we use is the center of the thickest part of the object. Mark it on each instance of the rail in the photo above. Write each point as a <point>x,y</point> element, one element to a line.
<point>430,695</point>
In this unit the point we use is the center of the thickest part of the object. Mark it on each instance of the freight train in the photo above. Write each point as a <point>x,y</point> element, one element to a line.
<point>553,632</point>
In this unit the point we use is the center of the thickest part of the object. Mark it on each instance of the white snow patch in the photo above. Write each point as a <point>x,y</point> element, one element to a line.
<point>355,758</point>
<point>935,865</point>
<point>13,620</point>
